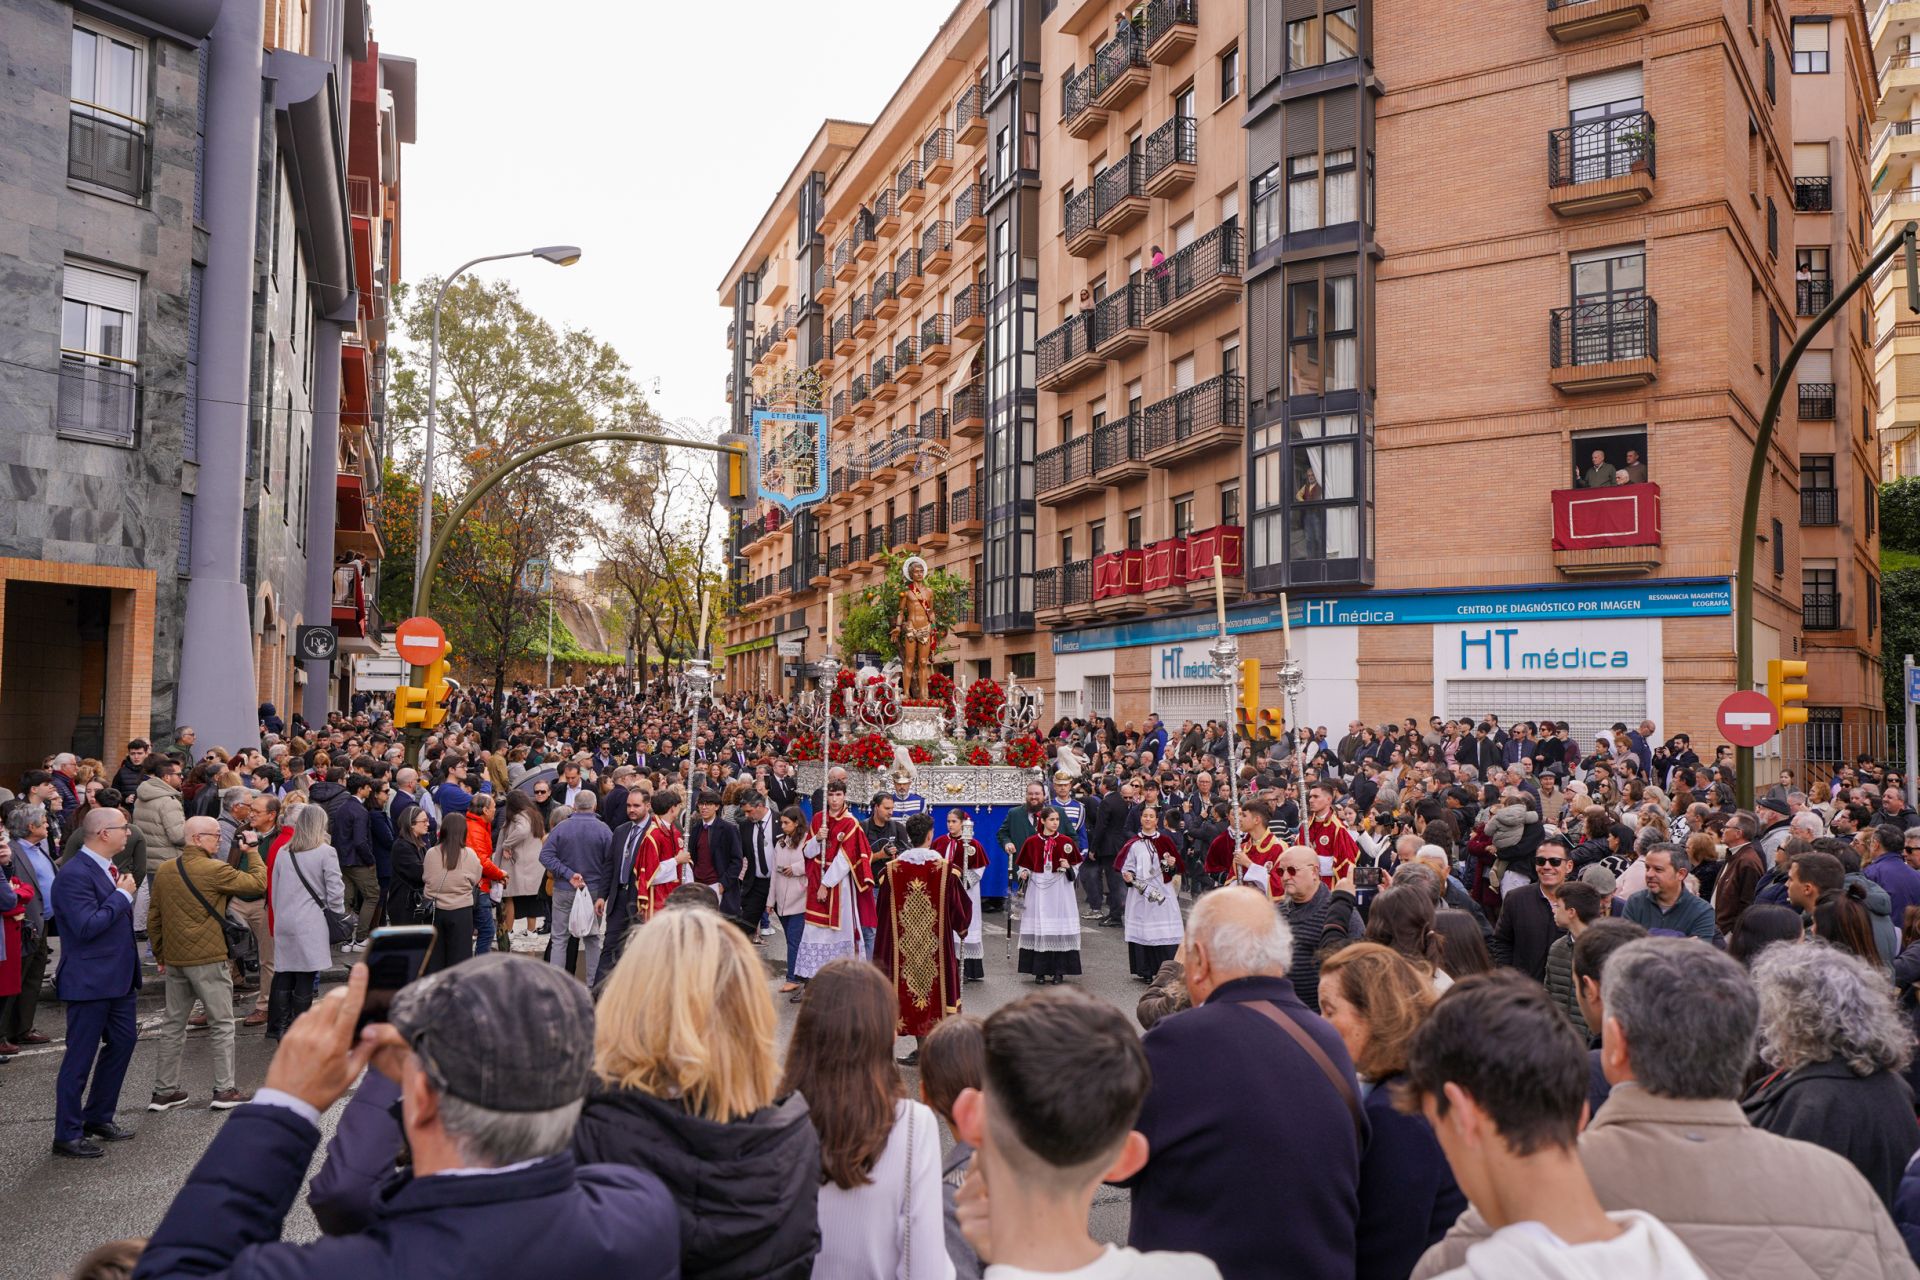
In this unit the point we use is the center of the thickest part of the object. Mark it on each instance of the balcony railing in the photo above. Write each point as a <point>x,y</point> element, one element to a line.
<point>1065,344</point>
<point>936,239</point>
<point>837,557</point>
<point>899,531</point>
<point>908,179</point>
<point>1062,586</point>
<point>1116,58</point>
<point>857,391</point>
<point>1813,195</point>
<point>882,289</point>
<point>1118,182</point>
<point>1820,611</point>
<point>839,405</point>
<point>931,518</point>
<point>1213,255</point>
<point>1063,464</point>
<point>970,202</point>
<point>884,205</point>
<point>906,354</point>
<point>935,331</point>
<point>1811,296</point>
<point>968,303</point>
<point>882,373</point>
<point>1819,506</point>
<point>821,275</point>
<point>1216,402</point>
<point>1172,143</point>
<point>1077,94</point>
<point>1600,520</point>
<point>1816,401</point>
<point>842,329</point>
<point>937,149</point>
<point>970,105</point>
<point>906,267</point>
<point>98,401</point>
<point>1118,442</point>
<point>1603,331</point>
<point>1078,213</point>
<point>970,401</point>
<point>1117,312</point>
<point>932,426</point>
<point>1600,149</point>
<point>960,507</point>
<point>106,152</point>
<point>1163,16</point>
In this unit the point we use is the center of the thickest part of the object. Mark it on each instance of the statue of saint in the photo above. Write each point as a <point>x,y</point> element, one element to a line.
<point>915,633</point>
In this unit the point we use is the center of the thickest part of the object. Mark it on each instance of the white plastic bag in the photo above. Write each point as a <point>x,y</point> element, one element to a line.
<point>582,920</point>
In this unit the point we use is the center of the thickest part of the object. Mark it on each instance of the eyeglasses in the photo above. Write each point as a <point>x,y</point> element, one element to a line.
<point>125,826</point>
<point>1549,862</point>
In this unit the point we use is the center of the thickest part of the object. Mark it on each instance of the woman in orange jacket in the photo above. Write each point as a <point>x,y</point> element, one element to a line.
<point>480,840</point>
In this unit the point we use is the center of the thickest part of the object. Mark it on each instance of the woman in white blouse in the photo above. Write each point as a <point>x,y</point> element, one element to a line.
<point>881,1216</point>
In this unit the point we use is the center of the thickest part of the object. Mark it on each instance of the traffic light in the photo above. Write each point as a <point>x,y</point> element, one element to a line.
<point>1781,694</point>
<point>1273,723</point>
<point>409,706</point>
<point>435,695</point>
<point>735,473</point>
<point>1249,712</point>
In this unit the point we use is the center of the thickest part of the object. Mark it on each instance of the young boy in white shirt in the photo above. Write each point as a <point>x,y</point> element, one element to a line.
<point>1065,1077</point>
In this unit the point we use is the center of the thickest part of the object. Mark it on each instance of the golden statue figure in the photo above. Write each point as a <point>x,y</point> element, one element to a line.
<point>915,633</point>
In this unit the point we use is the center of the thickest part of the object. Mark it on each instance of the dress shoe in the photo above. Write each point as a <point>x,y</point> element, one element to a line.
<point>258,1018</point>
<point>34,1037</point>
<point>198,1022</point>
<point>78,1149</point>
<point>8,1049</point>
<point>910,1059</point>
<point>109,1132</point>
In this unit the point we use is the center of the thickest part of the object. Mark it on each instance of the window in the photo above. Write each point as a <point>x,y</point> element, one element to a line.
<point>1779,550</point>
<point>1607,125</point>
<point>1816,472</point>
<point>1133,530</point>
<point>1322,338</point>
<point>1184,103</point>
<point>1340,187</point>
<point>1097,539</point>
<point>1303,193</point>
<point>1316,40</point>
<point>1230,356</point>
<point>1066,427</point>
<point>99,355</point>
<point>1323,518</point>
<point>1609,318</point>
<point>1020,665</point>
<point>1230,504</point>
<point>1603,459</point>
<point>1809,46</point>
<point>1002,156</point>
<point>1183,516</point>
<point>1873,604</point>
<point>107,127</point>
<point>183,560</point>
<point>1230,74</point>
<point>1030,140</point>
<point>1820,595</point>
<point>1266,208</point>
<point>1767,48</point>
<point>1066,548</point>
<point>1870,503</point>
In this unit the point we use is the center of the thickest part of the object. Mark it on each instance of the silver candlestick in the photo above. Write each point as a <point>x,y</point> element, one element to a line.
<point>1225,653</point>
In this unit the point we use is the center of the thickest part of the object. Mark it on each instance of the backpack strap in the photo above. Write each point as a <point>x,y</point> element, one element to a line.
<point>1339,1080</point>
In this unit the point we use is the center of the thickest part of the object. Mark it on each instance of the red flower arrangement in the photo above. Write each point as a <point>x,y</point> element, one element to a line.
<point>919,755</point>
<point>1026,752</point>
<point>805,747</point>
<point>870,752</point>
<point>984,701</point>
<point>841,688</point>
<point>940,689</point>
<point>979,755</point>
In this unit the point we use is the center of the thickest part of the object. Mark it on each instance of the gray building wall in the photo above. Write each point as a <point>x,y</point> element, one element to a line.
<point>72,501</point>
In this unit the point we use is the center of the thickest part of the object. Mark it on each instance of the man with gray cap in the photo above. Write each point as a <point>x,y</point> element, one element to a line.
<point>492,1059</point>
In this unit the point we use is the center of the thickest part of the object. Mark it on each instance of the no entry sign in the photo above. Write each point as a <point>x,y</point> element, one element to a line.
<point>420,641</point>
<point>1748,718</point>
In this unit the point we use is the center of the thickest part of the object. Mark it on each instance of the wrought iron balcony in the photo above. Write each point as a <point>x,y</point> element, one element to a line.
<point>1063,466</point>
<point>882,373</point>
<point>882,290</point>
<point>1119,193</point>
<point>969,312</point>
<point>99,400</point>
<point>1813,195</point>
<point>969,212</point>
<point>970,113</point>
<point>1119,69</point>
<point>1820,610</point>
<point>936,339</point>
<point>936,247</point>
<point>1819,506</point>
<point>1206,271</point>
<point>1119,448</point>
<point>961,512</point>
<point>1816,401</point>
<point>969,413</point>
<point>1604,331</point>
<point>1063,586</point>
<point>1169,29</point>
<point>1118,319</point>
<point>1059,352</point>
<point>1598,150</point>
<point>1171,152</point>
<point>857,390</point>
<point>899,532</point>
<point>1811,295</point>
<point>1076,95</point>
<point>107,152</point>
<point>1205,414</point>
<point>908,179</point>
<point>837,556</point>
<point>840,405</point>
<point>932,425</point>
<point>906,355</point>
<point>930,520</point>
<point>1083,239</point>
<point>936,155</point>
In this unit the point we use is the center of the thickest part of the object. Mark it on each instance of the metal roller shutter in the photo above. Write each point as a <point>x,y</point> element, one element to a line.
<point>1590,706</point>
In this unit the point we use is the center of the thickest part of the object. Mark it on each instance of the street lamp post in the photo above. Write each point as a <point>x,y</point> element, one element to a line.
<point>561,255</point>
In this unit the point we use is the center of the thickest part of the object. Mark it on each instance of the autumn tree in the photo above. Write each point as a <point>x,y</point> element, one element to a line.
<point>657,550</point>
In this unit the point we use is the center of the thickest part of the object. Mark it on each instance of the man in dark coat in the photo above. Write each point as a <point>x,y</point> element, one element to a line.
<point>715,846</point>
<point>1314,913</point>
<point>1291,1105</point>
<point>351,835</point>
<point>623,901</point>
<point>1107,832</point>
<point>507,1037</point>
<point>1525,930</point>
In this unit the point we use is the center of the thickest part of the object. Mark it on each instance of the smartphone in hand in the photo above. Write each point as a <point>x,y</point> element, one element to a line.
<point>396,955</point>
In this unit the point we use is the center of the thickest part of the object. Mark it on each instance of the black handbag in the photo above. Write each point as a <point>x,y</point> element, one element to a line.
<point>340,925</point>
<point>232,930</point>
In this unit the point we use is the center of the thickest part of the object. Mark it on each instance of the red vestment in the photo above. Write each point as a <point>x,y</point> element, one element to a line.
<point>923,911</point>
<point>660,845</point>
<point>1328,839</point>
<point>842,835</point>
<point>1038,850</point>
<point>950,848</point>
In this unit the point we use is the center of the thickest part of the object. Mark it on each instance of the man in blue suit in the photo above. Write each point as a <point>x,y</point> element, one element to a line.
<point>98,976</point>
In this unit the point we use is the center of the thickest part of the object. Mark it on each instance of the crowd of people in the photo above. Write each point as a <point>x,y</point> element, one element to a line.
<point>1487,1001</point>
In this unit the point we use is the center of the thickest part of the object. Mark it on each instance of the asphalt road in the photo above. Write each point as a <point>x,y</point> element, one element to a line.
<point>127,1192</point>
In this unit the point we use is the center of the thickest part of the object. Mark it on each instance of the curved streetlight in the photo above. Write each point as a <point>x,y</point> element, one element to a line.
<point>560,255</point>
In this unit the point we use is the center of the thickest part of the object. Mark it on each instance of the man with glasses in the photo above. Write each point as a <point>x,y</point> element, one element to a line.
<point>98,979</point>
<point>1525,931</point>
<point>1313,912</point>
<point>190,899</point>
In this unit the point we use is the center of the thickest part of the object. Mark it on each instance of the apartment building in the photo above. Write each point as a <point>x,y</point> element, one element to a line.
<point>891,287</point>
<point>1456,327</point>
<point>179,269</point>
<point>1896,201</point>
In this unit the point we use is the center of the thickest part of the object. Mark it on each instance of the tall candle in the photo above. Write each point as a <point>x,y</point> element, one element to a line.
<point>1220,594</point>
<point>700,637</point>
<point>1286,625</point>
<point>829,622</point>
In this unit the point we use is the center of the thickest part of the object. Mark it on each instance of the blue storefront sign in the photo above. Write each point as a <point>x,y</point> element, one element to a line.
<point>1679,598</point>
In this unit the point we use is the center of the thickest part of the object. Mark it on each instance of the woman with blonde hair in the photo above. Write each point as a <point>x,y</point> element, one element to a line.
<point>1376,999</point>
<point>687,1089</point>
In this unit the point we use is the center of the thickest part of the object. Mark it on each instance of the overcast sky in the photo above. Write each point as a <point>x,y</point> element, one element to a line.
<point>653,135</point>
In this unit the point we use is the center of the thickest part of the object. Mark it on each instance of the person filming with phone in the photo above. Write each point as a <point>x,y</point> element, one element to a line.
<point>491,1061</point>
